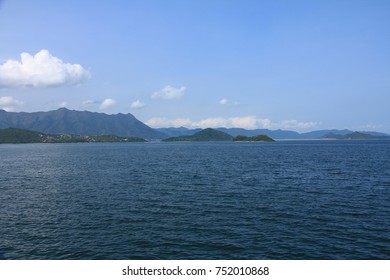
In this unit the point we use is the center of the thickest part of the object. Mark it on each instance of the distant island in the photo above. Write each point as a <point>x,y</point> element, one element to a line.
<point>210,134</point>
<point>23,136</point>
<point>329,134</point>
<point>256,138</point>
<point>207,134</point>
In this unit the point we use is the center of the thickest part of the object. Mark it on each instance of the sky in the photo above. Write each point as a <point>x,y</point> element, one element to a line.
<point>278,64</point>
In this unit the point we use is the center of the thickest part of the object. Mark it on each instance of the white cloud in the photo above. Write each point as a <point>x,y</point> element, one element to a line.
<point>169,92</point>
<point>371,126</point>
<point>8,109</point>
<point>137,104</point>
<point>7,103</point>
<point>164,122</point>
<point>107,103</point>
<point>247,122</point>
<point>63,104</point>
<point>89,102</point>
<point>287,124</point>
<point>40,70</point>
<point>7,100</point>
<point>223,101</point>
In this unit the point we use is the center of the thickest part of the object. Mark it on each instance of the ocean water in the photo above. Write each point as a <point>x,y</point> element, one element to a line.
<point>283,200</point>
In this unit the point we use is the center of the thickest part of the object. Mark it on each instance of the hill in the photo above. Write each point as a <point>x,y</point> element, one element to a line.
<point>19,136</point>
<point>256,138</point>
<point>15,136</point>
<point>64,121</point>
<point>275,134</point>
<point>207,134</point>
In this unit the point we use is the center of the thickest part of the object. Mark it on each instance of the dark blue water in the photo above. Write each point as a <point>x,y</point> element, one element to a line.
<point>284,200</point>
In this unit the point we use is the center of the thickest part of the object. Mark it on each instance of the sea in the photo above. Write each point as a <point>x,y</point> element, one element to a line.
<point>285,200</point>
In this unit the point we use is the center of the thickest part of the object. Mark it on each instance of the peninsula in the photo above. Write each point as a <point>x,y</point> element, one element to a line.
<point>20,136</point>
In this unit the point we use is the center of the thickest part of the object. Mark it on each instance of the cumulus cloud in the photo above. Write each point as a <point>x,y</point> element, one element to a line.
<point>164,122</point>
<point>7,103</point>
<point>40,70</point>
<point>371,126</point>
<point>287,124</point>
<point>137,104</point>
<point>107,103</point>
<point>247,122</point>
<point>169,92</point>
<point>223,101</point>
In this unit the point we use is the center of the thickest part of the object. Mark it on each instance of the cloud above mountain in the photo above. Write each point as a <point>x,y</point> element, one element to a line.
<point>247,122</point>
<point>137,104</point>
<point>169,92</point>
<point>7,103</point>
<point>40,70</point>
<point>107,103</point>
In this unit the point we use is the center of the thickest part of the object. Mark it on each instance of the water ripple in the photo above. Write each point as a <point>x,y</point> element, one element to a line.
<point>286,200</point>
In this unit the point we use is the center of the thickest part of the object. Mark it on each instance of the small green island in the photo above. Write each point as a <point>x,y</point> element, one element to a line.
<point>210,134</point>
<point>205,135</point>
<point>23,136</point>
<point>257,138</point>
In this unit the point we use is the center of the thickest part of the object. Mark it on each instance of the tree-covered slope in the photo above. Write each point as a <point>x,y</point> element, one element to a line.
<point>19,136</point>
<point>256,138</point>
<point>64,121</point>
<point>207,134</point>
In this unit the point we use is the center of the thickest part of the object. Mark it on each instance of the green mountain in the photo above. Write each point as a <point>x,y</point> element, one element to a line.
<point>64,121</point>
<point>256,138</point>
<point>18,136</point>
<point>207,134</point>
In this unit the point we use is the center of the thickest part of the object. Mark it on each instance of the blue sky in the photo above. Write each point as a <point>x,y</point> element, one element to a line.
<point>293,64</point>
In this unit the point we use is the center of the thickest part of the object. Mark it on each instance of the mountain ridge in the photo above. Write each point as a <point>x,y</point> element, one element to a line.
<point>275,134</point>
<point>65,121</point>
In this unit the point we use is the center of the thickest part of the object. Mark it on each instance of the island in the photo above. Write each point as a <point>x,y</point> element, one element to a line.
<point>257,138</point>
<point>20,136</point>
<point>210,134</point>
<point>204,135</point>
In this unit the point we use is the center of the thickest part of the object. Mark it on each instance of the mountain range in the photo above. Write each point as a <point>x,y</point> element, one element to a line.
<point>65,121</point>
<point>275,134</point>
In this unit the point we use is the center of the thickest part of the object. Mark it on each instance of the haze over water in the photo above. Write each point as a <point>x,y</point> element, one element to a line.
<point>283,200</point>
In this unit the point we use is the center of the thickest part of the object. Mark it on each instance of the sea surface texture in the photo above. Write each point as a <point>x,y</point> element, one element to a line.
<point>283,200</point>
